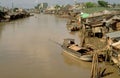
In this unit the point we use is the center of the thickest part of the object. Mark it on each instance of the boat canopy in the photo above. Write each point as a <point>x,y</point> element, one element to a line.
<point>74,47</point>
<point>68,41</point>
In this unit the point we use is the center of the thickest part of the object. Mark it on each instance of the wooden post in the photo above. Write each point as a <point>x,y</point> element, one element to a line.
<point>95,71</point>
<point>83,36</point>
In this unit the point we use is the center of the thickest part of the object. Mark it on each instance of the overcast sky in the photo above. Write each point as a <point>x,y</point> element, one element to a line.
<point>32,3</point>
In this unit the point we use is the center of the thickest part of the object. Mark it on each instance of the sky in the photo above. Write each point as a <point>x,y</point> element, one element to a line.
<point>32,3</point>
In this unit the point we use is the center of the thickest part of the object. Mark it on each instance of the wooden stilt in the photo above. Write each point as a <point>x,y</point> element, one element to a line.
<point>95,71</point>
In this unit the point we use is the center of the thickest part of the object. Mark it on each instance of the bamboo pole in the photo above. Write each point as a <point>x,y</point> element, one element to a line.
<point>95,71</point>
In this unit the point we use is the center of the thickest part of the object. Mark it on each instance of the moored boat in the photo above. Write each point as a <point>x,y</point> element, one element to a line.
<point>82,53</point>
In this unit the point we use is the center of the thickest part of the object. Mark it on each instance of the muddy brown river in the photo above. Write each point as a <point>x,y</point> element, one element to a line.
<point>27,50</point>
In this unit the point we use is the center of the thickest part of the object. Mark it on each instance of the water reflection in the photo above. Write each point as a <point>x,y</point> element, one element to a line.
<point>75,62</point>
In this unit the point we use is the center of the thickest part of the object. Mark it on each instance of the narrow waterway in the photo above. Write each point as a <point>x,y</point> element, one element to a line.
<point>27,50</point>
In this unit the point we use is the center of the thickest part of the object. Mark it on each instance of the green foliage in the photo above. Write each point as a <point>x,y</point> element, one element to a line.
<point>57,7</point>
<point>2,14</point>
<point>65,7</point>
<point>41,6</point>
<point>103,3</point>
<point>90,4</point>
<point>37,6</point>
<point>118,5</point>
<point>95,9</point>
<point>15,9</point>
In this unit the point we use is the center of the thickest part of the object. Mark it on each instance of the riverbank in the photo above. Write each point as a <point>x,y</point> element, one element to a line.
<point>6,16</point>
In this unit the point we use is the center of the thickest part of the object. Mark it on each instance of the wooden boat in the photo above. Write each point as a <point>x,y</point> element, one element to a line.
<point>76,51</point>
<point>72,25</point>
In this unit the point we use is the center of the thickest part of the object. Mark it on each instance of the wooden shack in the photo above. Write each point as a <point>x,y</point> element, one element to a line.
<point>103,23</point>
<point>94,29</point>
<point>95,25</point>
<point>113,40</point>
<point>116,24</point>
<point>114,36</point>
<point>115,55</point>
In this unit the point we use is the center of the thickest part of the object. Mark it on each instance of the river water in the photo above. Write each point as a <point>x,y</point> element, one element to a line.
<point>27,49</point>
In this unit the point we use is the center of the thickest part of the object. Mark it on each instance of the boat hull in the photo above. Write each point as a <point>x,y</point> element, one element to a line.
<point>87,58</point>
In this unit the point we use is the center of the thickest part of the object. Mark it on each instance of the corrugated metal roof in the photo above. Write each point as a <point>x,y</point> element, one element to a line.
<point>113,34</point>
